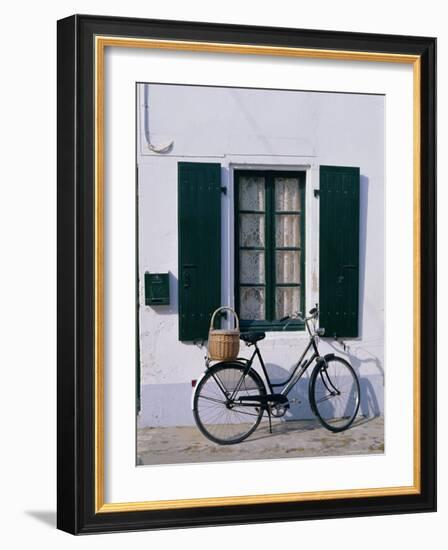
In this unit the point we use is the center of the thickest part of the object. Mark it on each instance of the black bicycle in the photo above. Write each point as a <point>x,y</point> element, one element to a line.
<point>231,398</point>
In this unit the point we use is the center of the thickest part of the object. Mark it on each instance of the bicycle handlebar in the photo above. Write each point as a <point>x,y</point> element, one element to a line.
<point>314,313</point>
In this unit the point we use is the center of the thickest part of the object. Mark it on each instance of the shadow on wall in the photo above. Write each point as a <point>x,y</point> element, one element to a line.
<point>158,399</point>
<point>299,396</point>
<point>371,404</point>
<point>369,399</point>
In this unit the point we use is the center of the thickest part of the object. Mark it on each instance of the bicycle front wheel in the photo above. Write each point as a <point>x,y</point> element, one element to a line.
<point>217,407</point>
<point>335,394</point>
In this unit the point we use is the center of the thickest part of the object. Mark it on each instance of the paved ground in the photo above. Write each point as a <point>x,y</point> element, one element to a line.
<point>290,439</point>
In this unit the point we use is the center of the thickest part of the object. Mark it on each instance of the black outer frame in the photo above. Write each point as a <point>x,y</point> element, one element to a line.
<point>75,172</point>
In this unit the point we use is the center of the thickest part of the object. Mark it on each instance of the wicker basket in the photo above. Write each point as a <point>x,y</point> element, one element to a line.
<point>223,344</point>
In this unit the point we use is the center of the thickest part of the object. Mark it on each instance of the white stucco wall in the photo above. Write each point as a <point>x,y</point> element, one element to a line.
<point>242,128</point>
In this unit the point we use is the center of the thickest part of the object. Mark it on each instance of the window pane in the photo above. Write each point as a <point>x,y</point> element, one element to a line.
<point>251,229</point>
<point>252,193</point>
<point>287,266</point>
<point>287,195</point>
<point>252,303</point>
<point>251,267</point>
<point>287,230</point>
<point>287,301</point>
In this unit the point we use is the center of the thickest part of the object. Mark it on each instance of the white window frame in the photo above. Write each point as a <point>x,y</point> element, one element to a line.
<point>311,169</point>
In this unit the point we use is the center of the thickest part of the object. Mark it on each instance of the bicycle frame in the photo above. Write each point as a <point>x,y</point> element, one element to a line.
<point>295,374</point>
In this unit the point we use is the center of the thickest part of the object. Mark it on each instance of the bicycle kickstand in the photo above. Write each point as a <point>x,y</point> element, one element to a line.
<point>270,422</point>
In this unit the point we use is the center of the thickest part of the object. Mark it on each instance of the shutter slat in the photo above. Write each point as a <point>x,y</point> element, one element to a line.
<point>199,229</point>
<point>339,251</point>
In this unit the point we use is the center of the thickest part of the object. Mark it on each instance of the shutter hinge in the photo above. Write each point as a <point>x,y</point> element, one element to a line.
<point>316,193</point>
<point>224,190</point>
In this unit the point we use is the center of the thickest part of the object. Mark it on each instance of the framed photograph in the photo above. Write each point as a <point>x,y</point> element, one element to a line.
<point>246,274</point>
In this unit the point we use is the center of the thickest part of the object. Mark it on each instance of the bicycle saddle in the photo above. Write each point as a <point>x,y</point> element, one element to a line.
<point>252,337</point>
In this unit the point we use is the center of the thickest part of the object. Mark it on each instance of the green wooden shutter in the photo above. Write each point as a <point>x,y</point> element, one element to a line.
<point>199,224</point>
<point>339,251</point>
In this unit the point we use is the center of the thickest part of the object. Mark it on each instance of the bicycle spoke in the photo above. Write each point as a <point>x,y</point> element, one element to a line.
<point>212,399</point>
<point>325,398</point>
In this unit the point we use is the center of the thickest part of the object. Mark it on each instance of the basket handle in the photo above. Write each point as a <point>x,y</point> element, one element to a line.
<point>237,322</point>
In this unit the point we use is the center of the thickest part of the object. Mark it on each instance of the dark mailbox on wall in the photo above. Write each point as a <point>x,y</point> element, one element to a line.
<point>157,289</point>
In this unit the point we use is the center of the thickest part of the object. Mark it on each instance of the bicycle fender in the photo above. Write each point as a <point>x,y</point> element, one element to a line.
<point>194,389</point>
<point>321,361</point>
<point>327,357</point>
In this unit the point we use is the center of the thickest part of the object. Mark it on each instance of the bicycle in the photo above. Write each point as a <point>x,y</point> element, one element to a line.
<point>231,398</point>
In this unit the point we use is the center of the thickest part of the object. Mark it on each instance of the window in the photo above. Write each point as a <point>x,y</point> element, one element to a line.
<point>269,247</point>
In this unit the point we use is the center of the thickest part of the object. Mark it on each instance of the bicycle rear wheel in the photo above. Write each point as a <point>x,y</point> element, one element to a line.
<point>221,420</point>
<point>335,394</point>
